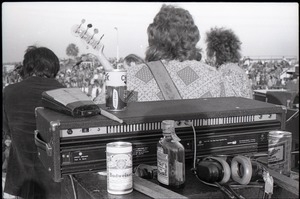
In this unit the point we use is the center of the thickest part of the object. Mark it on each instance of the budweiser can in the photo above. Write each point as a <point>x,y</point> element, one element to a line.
<point>119,167</point>
<point>280,147</point>
<point>116,90</point>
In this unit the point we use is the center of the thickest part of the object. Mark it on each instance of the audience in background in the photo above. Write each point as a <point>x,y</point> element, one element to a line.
<point>259,72</point>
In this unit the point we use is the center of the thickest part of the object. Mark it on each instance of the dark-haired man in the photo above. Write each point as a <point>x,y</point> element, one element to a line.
<point>26,176</point>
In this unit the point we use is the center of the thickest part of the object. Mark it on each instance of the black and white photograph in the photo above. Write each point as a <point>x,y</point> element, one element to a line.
<point>141,100</point>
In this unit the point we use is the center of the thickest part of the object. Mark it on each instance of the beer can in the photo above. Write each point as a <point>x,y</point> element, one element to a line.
<point>119,167</point>
<point>115,94</point>
<point>279,155</point>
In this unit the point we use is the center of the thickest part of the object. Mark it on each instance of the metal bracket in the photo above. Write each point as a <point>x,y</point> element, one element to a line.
<point>35,110</point>
<point>53,125</point>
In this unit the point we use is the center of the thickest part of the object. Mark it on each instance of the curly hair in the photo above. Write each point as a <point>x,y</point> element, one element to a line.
<point>41,62</point>
<point>173,35</point>
<point>223,45</point>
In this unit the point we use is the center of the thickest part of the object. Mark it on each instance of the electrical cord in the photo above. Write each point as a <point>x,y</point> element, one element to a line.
<point>195,157</point>
<point>228,191</point>
<point>73,187</point>
<point>195,147</point>
<point>233,192</point>
<point>292,116</point>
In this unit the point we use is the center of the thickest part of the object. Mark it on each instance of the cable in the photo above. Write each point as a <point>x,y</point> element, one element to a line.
<point>226,191</point>
<point>294,115</point>
<point>239,196</point>
<point>195,146</point>
<point>73,187</point>
<point>195,157</point>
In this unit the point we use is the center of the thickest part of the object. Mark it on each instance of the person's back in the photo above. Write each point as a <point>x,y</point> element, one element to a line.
<point>24,168</point>
<point>236,81</point>
<point>193,79</point>
<point>26,176</point>
<point>22,98</point>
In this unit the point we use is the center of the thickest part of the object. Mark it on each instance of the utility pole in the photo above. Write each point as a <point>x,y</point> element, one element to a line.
<point>117,43</point>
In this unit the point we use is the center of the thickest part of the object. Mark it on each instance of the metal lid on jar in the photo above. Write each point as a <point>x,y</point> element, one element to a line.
<point>280,134</point>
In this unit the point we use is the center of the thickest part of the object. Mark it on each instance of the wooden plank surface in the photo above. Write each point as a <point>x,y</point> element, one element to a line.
<point>153,190</point>
<point>285,182</point>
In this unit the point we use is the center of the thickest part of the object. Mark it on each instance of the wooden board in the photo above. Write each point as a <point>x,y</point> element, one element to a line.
<point>153,190</point>
<point>285,182</point>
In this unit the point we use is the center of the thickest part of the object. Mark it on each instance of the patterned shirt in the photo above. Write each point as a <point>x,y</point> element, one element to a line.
<point>193,79</point>
<point>236,81</point>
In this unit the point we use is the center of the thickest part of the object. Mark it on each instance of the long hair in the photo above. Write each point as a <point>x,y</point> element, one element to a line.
<point>173,35</point>
<point>41,62</point>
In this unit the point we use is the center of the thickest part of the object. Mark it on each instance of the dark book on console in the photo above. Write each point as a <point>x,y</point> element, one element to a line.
<point>71,101</point>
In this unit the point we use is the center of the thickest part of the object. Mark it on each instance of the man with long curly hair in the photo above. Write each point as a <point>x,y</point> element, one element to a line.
<point>172,39</point>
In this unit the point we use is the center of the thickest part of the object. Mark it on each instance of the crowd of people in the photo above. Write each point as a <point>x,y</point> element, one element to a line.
<point>269,74</point>
<point>10,77</point>
<point>86,77</point>
<point>90,78</point>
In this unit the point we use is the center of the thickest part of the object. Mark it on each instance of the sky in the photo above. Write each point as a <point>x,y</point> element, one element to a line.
<point>265,29</point>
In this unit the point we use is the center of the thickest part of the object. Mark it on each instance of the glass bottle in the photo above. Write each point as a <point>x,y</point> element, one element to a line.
<point>170,158</point>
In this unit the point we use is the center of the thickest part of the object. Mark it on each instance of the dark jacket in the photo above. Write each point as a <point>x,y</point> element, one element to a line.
<point>26,176</point>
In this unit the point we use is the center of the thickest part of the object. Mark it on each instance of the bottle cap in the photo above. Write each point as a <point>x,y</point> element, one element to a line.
<point>168,126</point>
